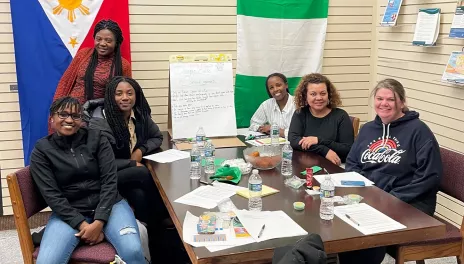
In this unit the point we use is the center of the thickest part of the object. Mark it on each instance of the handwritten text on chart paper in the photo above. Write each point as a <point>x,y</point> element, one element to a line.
<point>200,92</point>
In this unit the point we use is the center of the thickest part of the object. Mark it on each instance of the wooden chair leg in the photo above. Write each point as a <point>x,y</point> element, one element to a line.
<point>399,257</point>
<point>420,261</point>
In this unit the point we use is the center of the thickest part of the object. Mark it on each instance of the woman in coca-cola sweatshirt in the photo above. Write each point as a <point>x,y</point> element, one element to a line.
<point>398,152</point>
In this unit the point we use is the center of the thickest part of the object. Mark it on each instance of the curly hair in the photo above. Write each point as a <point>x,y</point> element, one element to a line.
<point>316,78</point>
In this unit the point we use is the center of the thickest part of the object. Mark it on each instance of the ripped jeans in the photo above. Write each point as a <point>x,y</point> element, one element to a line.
<point>121,231</point>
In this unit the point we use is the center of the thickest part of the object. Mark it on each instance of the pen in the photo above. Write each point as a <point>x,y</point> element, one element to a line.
<point>326,171</point>
<point>261,232</point>
<point>352,220</point>
<point>207,183</point>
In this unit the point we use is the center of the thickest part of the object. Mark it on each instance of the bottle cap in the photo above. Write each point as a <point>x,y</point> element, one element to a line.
<point>255,171</point>
<point>298,206</point>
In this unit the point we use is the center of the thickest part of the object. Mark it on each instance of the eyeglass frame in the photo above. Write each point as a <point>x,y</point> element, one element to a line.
<point>60,115</point>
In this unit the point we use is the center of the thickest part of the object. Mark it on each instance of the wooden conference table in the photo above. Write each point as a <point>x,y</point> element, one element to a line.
<point>172,180</point>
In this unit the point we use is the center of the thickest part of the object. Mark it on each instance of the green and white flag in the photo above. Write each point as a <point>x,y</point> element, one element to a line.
<point>285,36</point>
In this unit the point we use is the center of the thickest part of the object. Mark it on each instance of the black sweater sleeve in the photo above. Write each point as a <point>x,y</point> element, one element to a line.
<point>44,178</point>
<point>296,133</point>
<point>345,137</point>
<point>155,138</point>
<point>426,177</point>
<point>108,180</point>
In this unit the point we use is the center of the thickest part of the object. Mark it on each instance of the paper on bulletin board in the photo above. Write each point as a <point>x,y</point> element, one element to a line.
<point>454,70</point>
<point>202,94</point>
<point>427,27</point>
<point>457,27</point>
<point>391,13</point>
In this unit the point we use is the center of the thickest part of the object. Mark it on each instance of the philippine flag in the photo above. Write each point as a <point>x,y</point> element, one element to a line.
<point>47,35</point>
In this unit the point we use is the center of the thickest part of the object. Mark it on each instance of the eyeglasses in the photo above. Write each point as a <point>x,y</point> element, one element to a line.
<point>64,115</point>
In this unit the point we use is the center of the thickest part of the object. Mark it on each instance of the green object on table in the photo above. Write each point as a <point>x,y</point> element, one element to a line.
<point>233,173</point>
<point>217,162</point>
<point>316,169</point>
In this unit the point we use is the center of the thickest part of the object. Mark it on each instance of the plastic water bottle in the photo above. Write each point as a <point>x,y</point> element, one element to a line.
<point>209,157</point>
<point>326,211</point>
<point>255,186</point>
<point>195,163</point>
<point>287,153</point>
<point>200,139</point>
<point>274,134</point>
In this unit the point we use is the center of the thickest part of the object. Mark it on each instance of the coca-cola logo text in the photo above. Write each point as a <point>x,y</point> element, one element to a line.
<point>387,156</point>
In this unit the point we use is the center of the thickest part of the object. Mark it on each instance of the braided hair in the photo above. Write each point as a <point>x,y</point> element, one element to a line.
<point>63,103</point>
<point>116,66</point>
<point>115,117</point>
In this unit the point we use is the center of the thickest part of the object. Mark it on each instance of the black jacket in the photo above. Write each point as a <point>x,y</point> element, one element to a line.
<point>309,250</point>
<point>97,120</point>
<point>76,175</point>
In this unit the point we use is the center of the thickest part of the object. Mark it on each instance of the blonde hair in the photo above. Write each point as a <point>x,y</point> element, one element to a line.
<point>316,78</point>
<point>396,87</point>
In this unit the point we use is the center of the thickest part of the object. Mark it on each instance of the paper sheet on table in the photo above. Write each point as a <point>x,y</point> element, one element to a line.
<point>246,132</point>
<point>264,141</point>
<point>371,221</point>
<point>237,242</point>
<point>278,224</point>
<point>205,196</point>
<point>230,187</point>
<point>189,229</point>
<point>167,156</point>
<point>337,178</point>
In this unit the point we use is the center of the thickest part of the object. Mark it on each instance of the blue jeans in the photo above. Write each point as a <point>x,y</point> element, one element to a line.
<point>121,230</point>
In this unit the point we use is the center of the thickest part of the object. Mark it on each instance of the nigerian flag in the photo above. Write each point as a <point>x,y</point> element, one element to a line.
<point>285,36</point>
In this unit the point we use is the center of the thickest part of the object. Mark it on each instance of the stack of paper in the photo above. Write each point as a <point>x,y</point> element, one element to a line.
<point>276,224</point>
<point>366,219</point>
<point>168,156</point>
<point>337,178</point>
<point>427,27</point>
<point>453,70</point>
<point>391,13</point>
<point>266,190</point>
<point>457,27</point>
<point>205,196</point>
<point>189,230</point>
<point>252,222</point>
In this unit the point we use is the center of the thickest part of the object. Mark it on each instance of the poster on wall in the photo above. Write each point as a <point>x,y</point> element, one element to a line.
<point>391,13</point>
<point>457,27</point>
<point>454,71</point>
<point>427,27</point>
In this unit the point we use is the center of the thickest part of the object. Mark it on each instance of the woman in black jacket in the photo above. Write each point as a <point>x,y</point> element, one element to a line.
<point>75,172</point>
<point>126,121</point>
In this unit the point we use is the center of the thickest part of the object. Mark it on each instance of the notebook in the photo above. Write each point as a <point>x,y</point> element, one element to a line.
<point>265,192</point>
